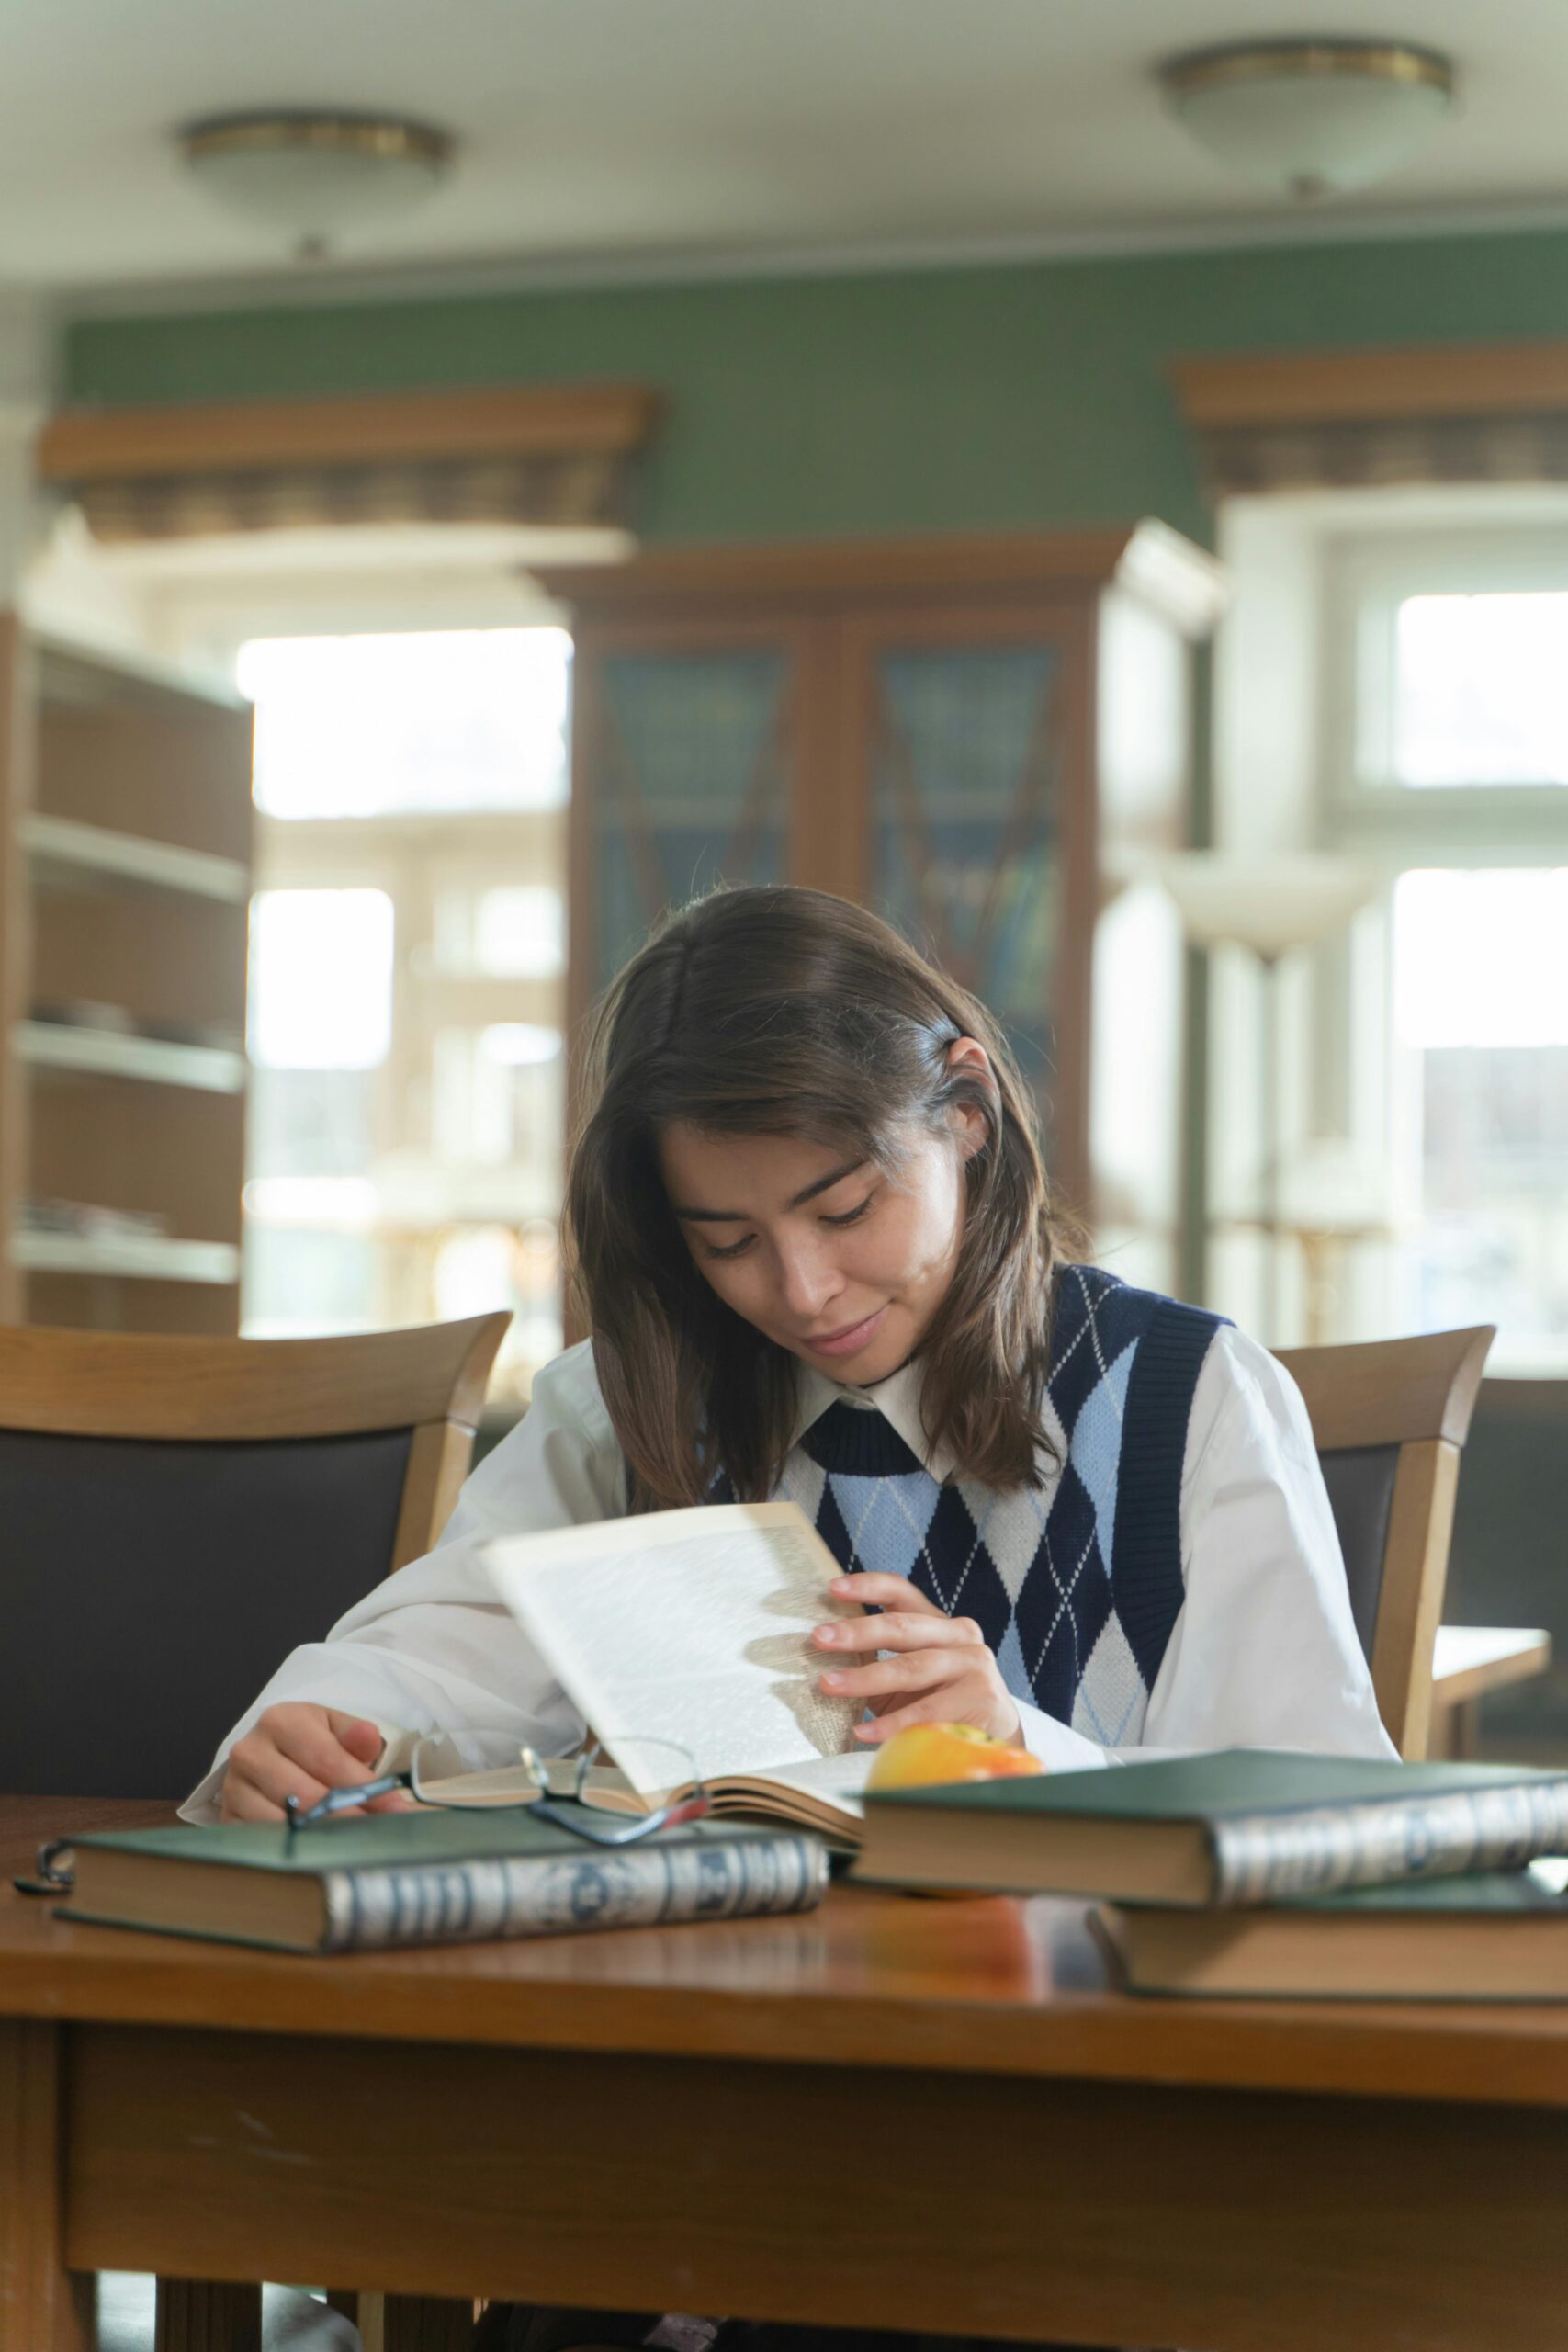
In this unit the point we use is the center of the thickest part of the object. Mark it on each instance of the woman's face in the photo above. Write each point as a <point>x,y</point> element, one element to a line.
<point>835,1260</point>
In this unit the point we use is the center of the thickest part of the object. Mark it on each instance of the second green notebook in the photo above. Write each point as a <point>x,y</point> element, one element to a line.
<point>1238,1826</point>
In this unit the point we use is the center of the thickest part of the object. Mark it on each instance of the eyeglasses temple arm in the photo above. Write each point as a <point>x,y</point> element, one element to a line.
<point>343,1800</point>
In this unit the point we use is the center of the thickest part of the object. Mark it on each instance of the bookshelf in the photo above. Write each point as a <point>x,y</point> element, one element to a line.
<point>108,1053</point>
<point>125,876</point>
<point>986,739</point>
<point>155,1258</point>
<point>69,856</point>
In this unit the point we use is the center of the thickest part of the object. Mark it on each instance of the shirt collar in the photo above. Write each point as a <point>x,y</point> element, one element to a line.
<point>896,1399</point>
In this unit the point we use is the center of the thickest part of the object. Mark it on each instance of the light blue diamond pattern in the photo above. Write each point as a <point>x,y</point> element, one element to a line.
<point>1055,1434</point>
<point>1011,1527</point>
<point>801,1482</point>
<point>1010,1657</point>
<point>1112,1698</point>
<point>1097,1444</point>
<point>887,1518</point>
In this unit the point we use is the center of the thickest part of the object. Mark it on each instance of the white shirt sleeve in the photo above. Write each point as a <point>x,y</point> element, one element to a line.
<point>431,1649</point>
<point>1264,1653</point>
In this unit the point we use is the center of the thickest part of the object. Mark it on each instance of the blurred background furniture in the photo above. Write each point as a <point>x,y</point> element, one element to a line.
<point>1510,1558</point>
<point>1272,906</point>
<point>986,740</point>
<point>179,1514</point>
<point>1469,1662</point>
<point>125,881</point>
<point>1389,1419</point>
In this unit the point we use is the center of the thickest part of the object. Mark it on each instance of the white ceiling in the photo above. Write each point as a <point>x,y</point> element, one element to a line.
<point>636,137</point>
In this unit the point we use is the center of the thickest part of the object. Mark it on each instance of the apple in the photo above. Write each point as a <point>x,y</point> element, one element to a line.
<point>928,1754</point>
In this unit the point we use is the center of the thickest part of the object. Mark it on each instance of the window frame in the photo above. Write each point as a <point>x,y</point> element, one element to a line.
<point>1366,577</point>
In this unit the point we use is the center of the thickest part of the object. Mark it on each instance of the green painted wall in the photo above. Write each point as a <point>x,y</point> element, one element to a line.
<point>923,401</point>
<point>931,399</point>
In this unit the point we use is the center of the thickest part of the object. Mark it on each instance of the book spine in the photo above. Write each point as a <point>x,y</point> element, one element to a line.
<point>1261,1857</point>
<point>635,1886</point>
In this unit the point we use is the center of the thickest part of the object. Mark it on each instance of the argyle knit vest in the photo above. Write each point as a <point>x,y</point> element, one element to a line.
<point>1075,1585</point>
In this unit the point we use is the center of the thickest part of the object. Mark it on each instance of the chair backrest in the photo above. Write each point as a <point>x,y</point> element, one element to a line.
<point>1389,1418</point>
<point>177,1514</point>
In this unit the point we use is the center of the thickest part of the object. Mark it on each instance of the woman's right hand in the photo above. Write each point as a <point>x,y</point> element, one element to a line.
<point>298,1749</point>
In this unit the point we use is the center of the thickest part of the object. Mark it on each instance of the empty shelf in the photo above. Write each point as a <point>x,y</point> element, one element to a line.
<point>64,851</point>
<point>49,1045</point>
<point>156,1257</point>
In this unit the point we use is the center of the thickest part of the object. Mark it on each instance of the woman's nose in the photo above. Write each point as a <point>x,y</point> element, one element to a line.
<point>807,1282</point>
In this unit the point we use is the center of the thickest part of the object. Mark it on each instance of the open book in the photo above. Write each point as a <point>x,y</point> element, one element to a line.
<point>692,1627</point>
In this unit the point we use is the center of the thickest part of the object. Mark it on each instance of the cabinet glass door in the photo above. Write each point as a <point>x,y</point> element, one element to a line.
<point>965,754</point>
<point>690,763</point>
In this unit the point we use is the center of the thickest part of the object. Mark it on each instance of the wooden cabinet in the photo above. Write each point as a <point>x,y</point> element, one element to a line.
<point>125,833</point>
<point>987,740</point>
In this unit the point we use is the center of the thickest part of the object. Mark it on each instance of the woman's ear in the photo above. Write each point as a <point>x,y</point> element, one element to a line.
<point>968,1058</point>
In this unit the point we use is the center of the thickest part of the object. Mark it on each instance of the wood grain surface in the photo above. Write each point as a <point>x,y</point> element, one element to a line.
<point>1154,561</point>
<point>1339,387</point>
<point>43,2308</point>
<point>207,2315</point>
<point>982,1986</point>
<point>234,436</point>
<point>1469,1661</point>
<point>1392,1392</point>
<point>19,778</point>
<point>98,1383</point>
<point>1063,2210</point>
<point>891,2113</point>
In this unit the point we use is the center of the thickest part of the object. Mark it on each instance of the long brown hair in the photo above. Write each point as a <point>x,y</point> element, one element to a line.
<point>786,1011</point>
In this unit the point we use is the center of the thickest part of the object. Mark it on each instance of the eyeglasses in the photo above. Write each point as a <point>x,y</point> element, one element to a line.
<point>598,1804</point>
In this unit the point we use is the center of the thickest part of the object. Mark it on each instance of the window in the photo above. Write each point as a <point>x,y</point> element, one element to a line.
<point>408,954</point>
<point>1450,768</point>
<point>1446,657</point>
<point>1479,694</point>
<point>516,932</point>
<point>498,1097</point>
<point>321,988</point>
<point>1487,1034</point>
<point>380,726</point>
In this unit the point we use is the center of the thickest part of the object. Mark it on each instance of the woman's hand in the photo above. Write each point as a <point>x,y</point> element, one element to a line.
<point>941,1671</point>
<point>300,1750</point>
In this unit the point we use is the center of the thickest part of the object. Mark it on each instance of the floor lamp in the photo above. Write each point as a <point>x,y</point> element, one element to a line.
<point>1270,906</point>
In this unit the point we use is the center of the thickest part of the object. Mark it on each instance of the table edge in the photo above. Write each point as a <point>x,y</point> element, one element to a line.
<point>1448,2052</point>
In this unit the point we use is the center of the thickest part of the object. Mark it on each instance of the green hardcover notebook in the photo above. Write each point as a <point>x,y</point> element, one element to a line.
<point>421,1878</point>
<point>1499,1934</point>
<point>1237,1827</point>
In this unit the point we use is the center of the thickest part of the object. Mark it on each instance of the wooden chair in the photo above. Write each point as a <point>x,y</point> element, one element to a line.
<point>1389,1419</point>
<point>178,1514</point>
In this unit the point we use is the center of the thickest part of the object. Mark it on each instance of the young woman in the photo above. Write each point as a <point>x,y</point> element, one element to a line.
<point>816,1250</point>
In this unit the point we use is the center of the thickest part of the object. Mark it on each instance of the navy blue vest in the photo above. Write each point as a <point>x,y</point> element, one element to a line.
<point>1076,1585</point>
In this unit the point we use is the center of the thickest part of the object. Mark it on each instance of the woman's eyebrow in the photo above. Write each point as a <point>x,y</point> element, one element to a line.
<point>825,1183</point>
<point>809,1193</point>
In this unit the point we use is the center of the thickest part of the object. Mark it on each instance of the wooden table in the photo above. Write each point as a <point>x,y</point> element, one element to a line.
<point>1467,1662</point>
<point>890,2112</point>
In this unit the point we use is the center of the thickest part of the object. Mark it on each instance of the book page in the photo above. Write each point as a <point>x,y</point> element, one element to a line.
<point>690,1627</point>
<point>837,1781</point>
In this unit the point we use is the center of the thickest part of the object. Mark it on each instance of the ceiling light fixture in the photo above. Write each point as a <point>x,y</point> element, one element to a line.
<point>312,174</point>
<point>1310,117</point>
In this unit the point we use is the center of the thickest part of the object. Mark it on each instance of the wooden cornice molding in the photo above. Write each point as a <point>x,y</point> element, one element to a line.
<point>1265,390</point>
<point>1148,559</point>
<point>107,444</point>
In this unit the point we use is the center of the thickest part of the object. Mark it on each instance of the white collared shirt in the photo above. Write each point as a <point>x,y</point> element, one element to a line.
<point>1263,1654</point>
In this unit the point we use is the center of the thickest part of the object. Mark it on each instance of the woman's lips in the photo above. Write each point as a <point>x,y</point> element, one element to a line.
<point>850,1339</point>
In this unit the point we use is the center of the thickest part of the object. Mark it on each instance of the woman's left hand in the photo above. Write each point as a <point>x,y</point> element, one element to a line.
<point>940,1671</point>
